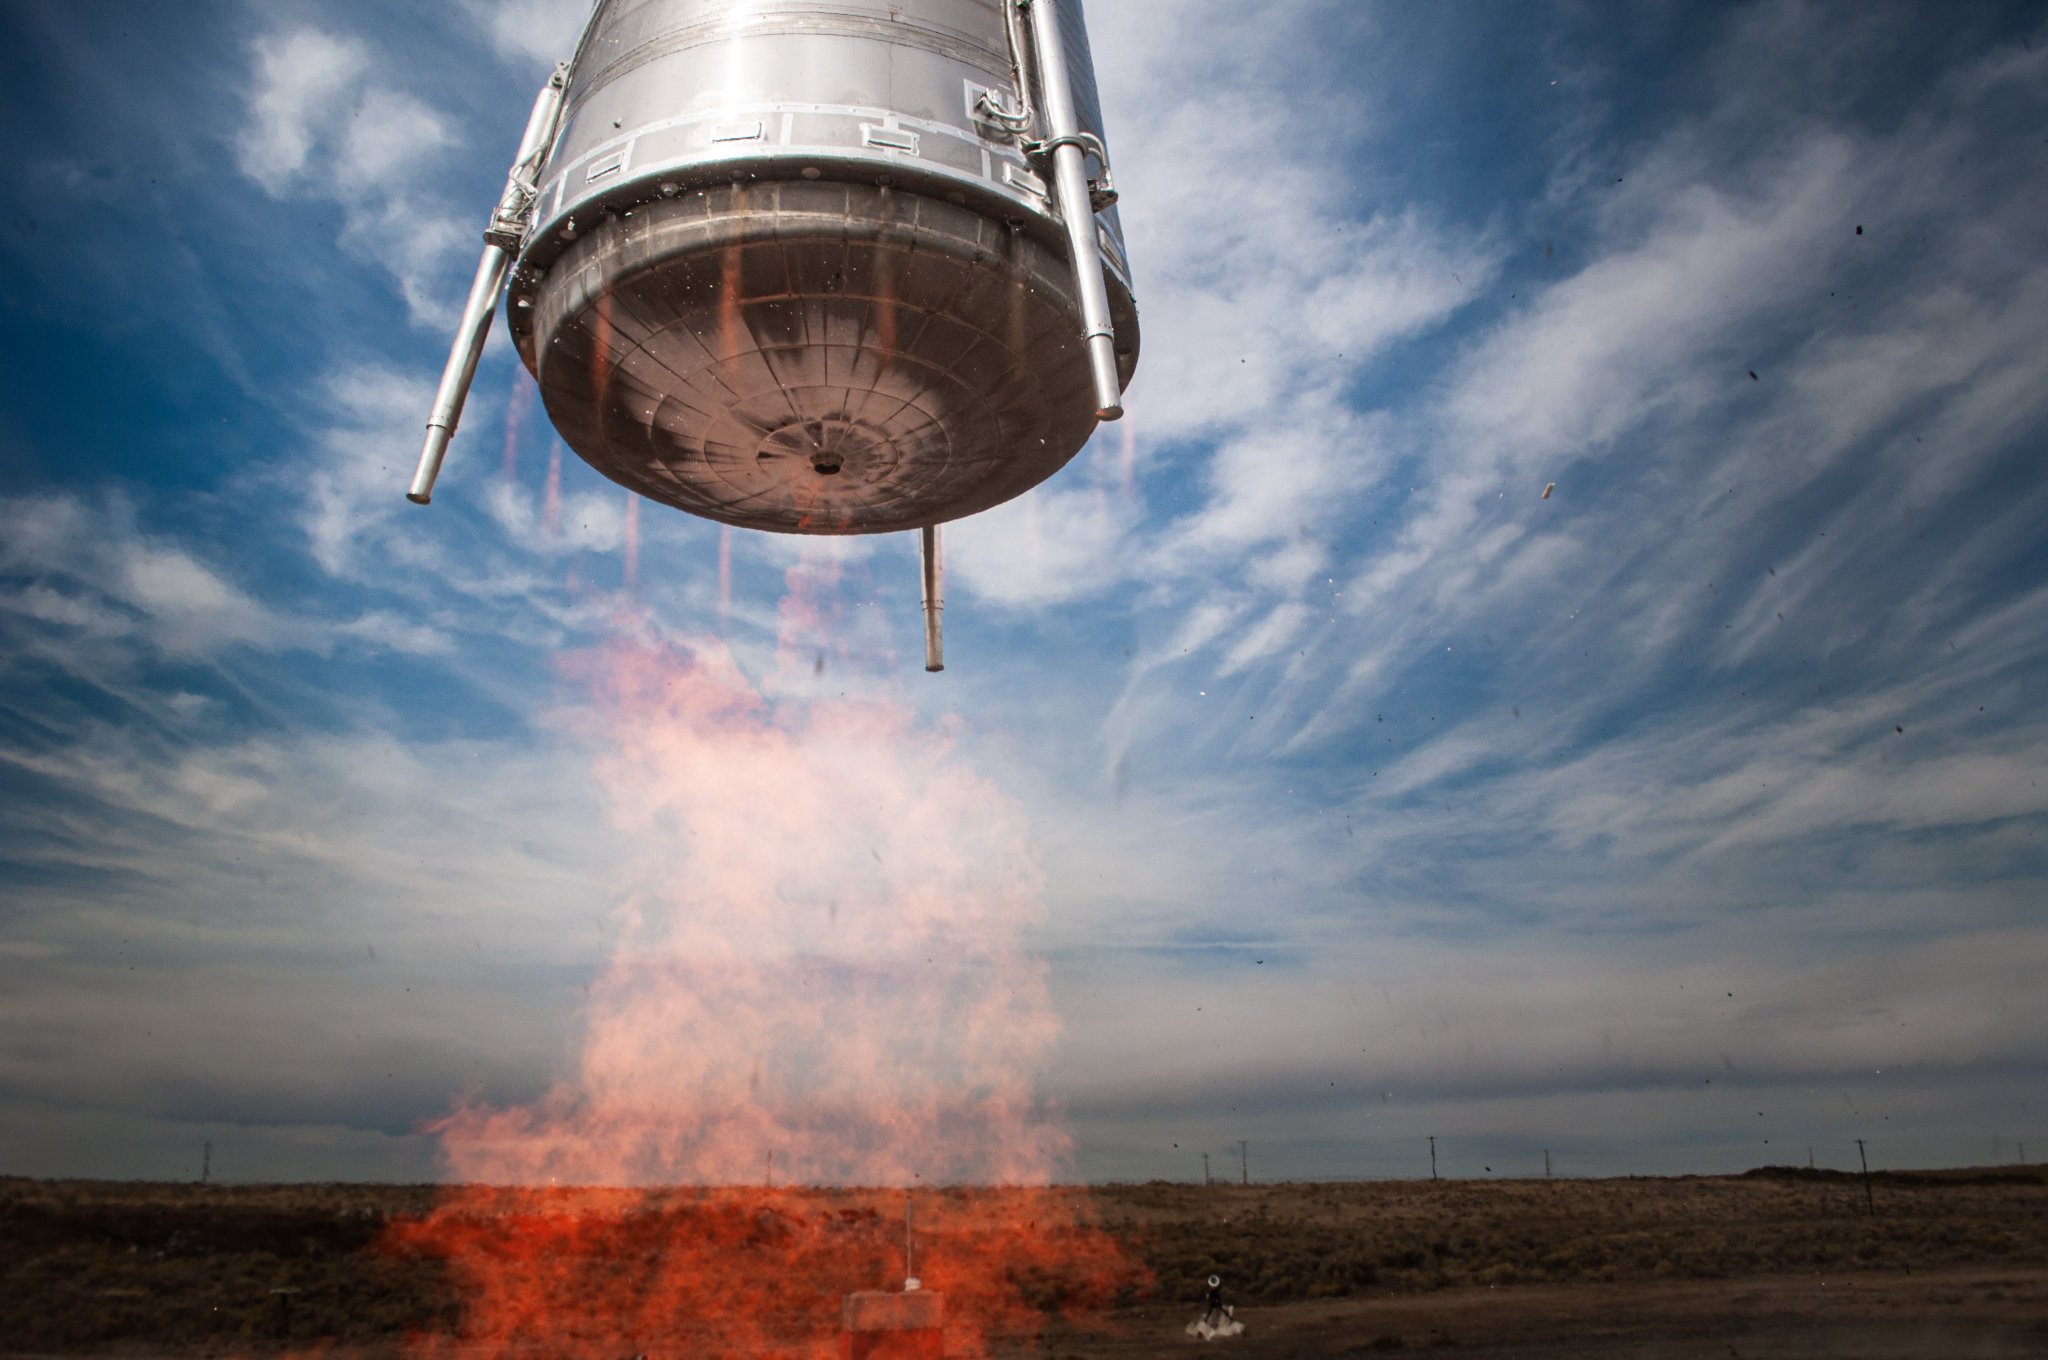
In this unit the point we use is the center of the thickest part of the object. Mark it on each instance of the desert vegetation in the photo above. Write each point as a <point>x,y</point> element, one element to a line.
<point>1285,1243</point>
<point>90,1267</point>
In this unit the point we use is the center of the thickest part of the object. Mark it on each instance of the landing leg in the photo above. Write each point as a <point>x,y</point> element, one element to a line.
<point>934,580</point>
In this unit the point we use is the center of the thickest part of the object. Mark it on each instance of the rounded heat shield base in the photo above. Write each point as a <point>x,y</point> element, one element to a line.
<point>814,357</point>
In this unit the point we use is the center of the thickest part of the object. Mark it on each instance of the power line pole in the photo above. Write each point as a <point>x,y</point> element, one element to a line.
<point>1432,1156</point>
<point>1206,1180</point>
<point>1546,1164</point>
<point>1244,1160</point>
<point>206,1162</point>
<point>1868,1197</point>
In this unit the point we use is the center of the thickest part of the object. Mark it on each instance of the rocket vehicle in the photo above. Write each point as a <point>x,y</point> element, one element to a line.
<point>848,267</point>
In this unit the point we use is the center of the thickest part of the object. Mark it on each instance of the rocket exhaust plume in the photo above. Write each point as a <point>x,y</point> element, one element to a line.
<point>516,409</point>
<point>551,498</point>
<point>820,969</point>
<point>724,570</point>
<point>632,541</point>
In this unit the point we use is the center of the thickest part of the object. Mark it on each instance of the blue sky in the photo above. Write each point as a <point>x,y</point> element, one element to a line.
<point>1681,821</point>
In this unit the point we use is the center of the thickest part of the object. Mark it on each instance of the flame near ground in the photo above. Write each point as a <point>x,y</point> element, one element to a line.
<point>820,1014</point>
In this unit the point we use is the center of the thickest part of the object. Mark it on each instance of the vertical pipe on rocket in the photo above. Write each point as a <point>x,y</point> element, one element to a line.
<point>461,370</point>
<point>934,582</point>
<point>502,239</point>
<point>1070,180</point>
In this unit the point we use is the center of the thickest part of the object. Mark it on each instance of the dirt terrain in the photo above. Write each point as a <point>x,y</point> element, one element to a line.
<point>1784,1265</point>
<point>1776,1265</point>
<point>1943,1315</point>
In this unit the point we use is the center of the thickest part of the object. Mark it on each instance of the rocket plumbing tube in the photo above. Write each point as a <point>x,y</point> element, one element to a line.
<point>502,236</point>
<point>934,601</point>
<point>1070,180</point>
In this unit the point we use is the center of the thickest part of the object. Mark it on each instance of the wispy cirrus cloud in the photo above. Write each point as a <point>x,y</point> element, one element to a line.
<point>87,571</point>
<point>303,82</point>
<point>1626,381</point>
<point>1266,291</point>
<point>541,32</point>
<point>90,585</point>
<point>318,123</point>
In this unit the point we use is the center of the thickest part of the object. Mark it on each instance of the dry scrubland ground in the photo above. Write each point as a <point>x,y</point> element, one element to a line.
<point>1769,1266</point>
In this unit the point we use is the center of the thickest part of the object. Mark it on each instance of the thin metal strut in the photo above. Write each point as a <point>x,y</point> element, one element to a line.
<point>934,570</point>
<point>1070,182</point>
<point>1023,118</point>
<point>503,238</point>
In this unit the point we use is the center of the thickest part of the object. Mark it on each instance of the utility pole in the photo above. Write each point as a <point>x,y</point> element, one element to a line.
<point>1809,1156</point>
<point>1868,1197</point>
<point>1244,1160</point>
<point>1546,1164</point>
<point>1206,1180</point>
<point>206,1162</point>
<point>1432,1156</point>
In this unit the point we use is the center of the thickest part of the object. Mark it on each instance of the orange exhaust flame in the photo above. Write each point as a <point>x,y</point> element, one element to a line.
<point>516,410</point>
<point>724,570</point>
<point>551,498</point>
<point>632,541</point>
<point>732,339</point>
<point>809,619</point>
<point>821,980</point>
<point>886,309</point>
<point>602,364</point>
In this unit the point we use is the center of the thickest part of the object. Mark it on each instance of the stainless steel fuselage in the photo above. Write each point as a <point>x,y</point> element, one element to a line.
<point>803,266</point>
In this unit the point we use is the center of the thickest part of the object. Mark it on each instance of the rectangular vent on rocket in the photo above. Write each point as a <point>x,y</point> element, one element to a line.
<point>610,165</point>
<point>889,139</point>
<point>1112,249</point>
<point>1017,177</point>
<point>736,132</point>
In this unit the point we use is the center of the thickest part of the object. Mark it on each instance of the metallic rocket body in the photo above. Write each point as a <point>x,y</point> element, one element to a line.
<point>843,267</point>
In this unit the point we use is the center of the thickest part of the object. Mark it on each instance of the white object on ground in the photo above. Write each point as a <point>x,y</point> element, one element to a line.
<point>1201,1329</point>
